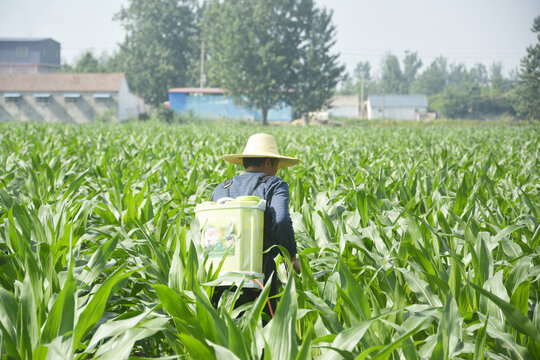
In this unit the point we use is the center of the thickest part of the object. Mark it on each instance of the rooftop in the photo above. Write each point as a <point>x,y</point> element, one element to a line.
<point>197,90</point>
<point>59,82</point>
<point>22,39</point>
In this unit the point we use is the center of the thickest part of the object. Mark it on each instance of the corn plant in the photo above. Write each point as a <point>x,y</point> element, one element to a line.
<point>415,242</point>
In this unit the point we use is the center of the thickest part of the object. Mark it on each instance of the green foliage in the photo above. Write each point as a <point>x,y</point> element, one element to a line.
<point>411,66</point>
<point>432,80</point>
<point>271,52</point>
<point>161,113</point>
<point>161,45</point>
<point>528,90</point>
<point>252,47</point>
<point>468,100</point>
<point>422,247</point>
<point>107,116</point>
<point>392,79</point>
<point>453,90</point>
<point>319,71</point>
<point>86,63</point>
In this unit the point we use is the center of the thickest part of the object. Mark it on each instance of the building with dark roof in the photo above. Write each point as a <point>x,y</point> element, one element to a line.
<point>25,55</point>
<point>67,97</point>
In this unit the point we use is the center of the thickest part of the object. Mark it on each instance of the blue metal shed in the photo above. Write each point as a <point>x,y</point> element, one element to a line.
<point>213,103</point>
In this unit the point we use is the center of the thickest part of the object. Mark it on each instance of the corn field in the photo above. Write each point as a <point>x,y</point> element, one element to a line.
<point>415,242</point>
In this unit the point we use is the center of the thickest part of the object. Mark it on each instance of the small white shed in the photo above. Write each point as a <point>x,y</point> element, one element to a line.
<point>398,107</point>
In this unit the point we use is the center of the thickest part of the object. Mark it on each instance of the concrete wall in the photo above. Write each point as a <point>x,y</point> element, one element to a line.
<point>130,106</point>
<point>27,68</point>
<point>344,111</point>
<point>57,108</point>
<point>396,113</point>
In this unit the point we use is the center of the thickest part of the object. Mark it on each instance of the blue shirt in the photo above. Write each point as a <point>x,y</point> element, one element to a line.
<point>278,228</point>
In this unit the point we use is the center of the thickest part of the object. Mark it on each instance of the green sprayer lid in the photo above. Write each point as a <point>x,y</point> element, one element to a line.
<point>248,198</point>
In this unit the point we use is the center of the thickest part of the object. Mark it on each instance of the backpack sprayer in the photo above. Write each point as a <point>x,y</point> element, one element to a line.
<point>233,229</point>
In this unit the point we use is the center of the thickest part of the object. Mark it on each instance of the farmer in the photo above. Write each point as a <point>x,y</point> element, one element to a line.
<point>261,161</point>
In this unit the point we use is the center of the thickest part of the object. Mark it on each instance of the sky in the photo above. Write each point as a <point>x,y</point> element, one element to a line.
<point>464,31</point>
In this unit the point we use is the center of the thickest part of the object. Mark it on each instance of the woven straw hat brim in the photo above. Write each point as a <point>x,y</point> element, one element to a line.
<point>261,146</point>
<point>284,161</point>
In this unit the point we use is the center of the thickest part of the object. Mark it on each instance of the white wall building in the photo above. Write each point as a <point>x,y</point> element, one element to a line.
<point>66,97</point>
<point>347,106</point>
<point>398,107</point>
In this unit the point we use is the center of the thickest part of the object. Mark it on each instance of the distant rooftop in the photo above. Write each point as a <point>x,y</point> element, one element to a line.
<point>197,90</point>
<point>23,39</point>
<point>61,82</point>
<point>398,101</point>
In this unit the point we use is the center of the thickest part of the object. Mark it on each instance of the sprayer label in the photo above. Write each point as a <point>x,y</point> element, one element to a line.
<point>220,240</point>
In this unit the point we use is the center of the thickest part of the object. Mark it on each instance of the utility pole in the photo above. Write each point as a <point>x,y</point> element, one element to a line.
<point>202,65</point>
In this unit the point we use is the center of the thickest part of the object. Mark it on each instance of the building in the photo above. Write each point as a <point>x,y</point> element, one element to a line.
<point>20,55</point>
<point>212,103</point>
<point>76,98</point>
<point>398,107</point>
<point>347,106</point>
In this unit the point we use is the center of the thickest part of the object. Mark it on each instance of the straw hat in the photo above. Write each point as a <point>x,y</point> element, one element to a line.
<point>258,146</point>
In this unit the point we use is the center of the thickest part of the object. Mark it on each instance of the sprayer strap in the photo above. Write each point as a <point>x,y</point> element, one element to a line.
<point>228,183</point>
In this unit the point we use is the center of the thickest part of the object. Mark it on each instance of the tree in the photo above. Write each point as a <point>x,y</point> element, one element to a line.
<point>497,82</point>
<point>433,80</point>
<point>161,44</point>
<point>457,74</point>
<point>392,80</point>
<point>527,102</point>
<point>411,65</point>
<point>362,70</point>
<point>269,52</point>
<point>479,75</point>
<point>319,70</point>
<point>115,62</point>
<point>86,63</point>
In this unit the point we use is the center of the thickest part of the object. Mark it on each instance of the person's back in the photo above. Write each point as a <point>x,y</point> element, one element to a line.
<point>261,162</point>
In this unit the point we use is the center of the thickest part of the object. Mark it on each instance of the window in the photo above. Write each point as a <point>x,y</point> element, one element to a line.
<point>102,97</point>
<point>72,97</point>
<point>21,51</point>
<point>42,98</point>
<point>12,97</point>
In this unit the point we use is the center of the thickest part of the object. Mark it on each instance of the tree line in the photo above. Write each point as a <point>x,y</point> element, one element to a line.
<point>271,52</point>
<point>264,53</point>
<point>453,90</point>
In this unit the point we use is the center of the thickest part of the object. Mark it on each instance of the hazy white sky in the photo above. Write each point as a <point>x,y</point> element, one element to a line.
<point>468,31</point>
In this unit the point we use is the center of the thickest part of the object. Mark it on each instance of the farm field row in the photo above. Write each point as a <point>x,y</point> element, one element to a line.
<point>415,242</point>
